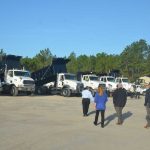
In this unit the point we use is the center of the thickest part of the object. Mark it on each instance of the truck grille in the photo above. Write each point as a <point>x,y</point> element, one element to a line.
<point>29,82</point>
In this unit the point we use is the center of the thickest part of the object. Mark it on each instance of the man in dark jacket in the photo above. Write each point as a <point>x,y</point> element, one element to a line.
<point>147,105</point>
<point>119,100</point>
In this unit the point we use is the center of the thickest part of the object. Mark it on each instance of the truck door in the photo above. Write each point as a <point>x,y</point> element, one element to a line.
<point>60,80</point>
<point>9,77</point>
<point>85,81</point>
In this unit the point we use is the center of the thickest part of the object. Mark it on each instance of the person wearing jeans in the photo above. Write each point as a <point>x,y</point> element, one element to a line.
<point>102,117</point>
<point>100,104</point>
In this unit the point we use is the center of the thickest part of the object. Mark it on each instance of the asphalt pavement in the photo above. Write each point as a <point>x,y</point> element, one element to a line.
<point>56,123</point>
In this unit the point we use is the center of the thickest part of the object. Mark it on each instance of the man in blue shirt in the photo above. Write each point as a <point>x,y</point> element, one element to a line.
<point>86,97</point>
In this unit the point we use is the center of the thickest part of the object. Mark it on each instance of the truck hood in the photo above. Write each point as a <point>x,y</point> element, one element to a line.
<point>94,84</point>
<point>112,85</point>
<point>72,82</point>
<point>23,78</point>
<point>127,86</point>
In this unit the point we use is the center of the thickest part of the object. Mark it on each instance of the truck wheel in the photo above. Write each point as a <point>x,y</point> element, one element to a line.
<point>39,91</point>
<point>14,91</point>
<point>30,93</point>
<point>66,92</point>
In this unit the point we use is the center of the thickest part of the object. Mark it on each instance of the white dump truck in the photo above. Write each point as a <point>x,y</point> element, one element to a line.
<point>91,81</point>
<point>54,79</point>
<point>13,79</point>
<point>111,85</point>
<point>125,82</point>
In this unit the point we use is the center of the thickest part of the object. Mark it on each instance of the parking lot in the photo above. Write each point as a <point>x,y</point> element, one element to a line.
<point>56,123</point>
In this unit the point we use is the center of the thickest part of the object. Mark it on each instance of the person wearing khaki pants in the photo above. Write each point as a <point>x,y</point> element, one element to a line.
<point>119,101</point>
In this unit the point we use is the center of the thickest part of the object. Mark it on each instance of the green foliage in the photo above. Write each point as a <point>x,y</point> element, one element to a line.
<point>133,62</point>
<point>41,60</point>
<point>72,66</point>
<point>134,59</point>
<point>83,63</point>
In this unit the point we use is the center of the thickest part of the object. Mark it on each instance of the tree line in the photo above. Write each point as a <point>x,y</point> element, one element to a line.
<point>133,61</point>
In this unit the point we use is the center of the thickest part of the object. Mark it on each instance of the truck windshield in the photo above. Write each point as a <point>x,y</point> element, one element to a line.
<point>111,79</point>
<point>70,77</point>
<point>125,80</point>
<point>140,81</point>
<point>94,78</point>
<point>22,73</point>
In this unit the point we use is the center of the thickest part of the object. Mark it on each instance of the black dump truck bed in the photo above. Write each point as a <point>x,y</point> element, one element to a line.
<point>49,73</point>
<point>9,62</point>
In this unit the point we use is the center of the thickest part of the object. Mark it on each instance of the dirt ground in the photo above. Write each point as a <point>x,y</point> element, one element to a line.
<point>56,123</point>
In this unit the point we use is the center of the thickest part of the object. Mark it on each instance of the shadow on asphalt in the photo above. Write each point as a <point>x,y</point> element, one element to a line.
<point>126,115</point>
<point>113,116</point>
<point>110,118</point>
<point>92,112</point>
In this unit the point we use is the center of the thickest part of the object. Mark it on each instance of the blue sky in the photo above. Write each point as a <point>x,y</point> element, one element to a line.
<point>64,26</point>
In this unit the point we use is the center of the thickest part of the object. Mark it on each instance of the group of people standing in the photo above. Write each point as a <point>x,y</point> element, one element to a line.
<point>119,101</point>
<point>135,91</point>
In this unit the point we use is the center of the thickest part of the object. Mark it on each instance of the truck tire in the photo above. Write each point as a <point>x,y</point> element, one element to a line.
<point>39,91</point>
<point>66,92</point>
<point>13,91</point>
<point>30,93</point>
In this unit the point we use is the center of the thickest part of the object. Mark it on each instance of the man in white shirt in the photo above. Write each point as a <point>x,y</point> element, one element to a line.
<point>138,92</point>
<point>86,97</point>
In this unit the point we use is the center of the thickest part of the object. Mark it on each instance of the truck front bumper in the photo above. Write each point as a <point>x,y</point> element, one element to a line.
<point>26,88</point>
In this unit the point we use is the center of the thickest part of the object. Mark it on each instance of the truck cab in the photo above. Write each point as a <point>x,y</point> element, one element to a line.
<point>14,79</point>
<point>65,84</point>
<point>68,84</point>
<point>144,81</point>
<point>125,82</point>
<point>18,80</point>
<point>111,85</point>
<point>92,81</point>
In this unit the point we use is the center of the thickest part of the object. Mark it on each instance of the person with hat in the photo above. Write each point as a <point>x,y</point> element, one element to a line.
<point>119,101</point>
<point>147,105</point>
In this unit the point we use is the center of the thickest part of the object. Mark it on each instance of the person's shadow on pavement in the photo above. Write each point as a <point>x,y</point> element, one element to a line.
<point>92,112</point>
<point>113,116</point>
<point>110,118</point>
<point>126,115</point>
